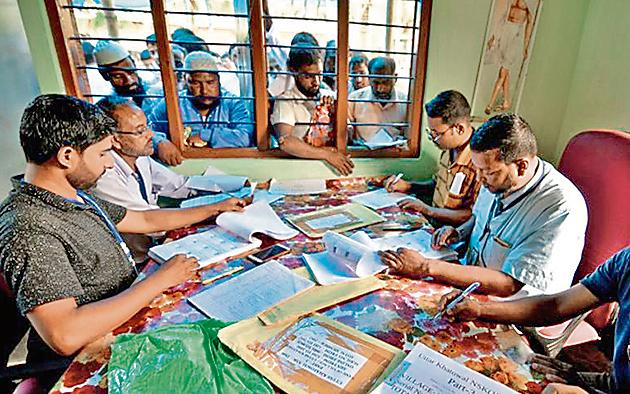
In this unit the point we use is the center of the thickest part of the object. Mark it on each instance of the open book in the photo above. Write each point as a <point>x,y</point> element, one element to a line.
<point>354,257</point>
<point>233,235</point>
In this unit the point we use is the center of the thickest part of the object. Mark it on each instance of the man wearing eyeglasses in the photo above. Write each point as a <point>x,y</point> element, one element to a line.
<point>526,232</point>
<point>118,68</point>
<point>455,185</point>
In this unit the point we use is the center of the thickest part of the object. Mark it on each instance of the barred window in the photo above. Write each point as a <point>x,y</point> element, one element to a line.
<point>234,66</point>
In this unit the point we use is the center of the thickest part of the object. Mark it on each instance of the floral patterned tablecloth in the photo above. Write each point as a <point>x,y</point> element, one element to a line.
<point>397,314</point>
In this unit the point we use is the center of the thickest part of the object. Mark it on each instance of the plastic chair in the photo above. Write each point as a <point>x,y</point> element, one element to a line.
<point>598,163</point>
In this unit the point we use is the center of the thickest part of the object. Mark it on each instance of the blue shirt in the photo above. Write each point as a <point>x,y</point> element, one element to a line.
<point>228,125</point>
<point>611,282</point>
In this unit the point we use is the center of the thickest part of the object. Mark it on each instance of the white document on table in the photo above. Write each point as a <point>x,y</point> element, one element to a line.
<point>345,258</point>
<point>331,221</point>
<point>380,198</point>
<point>426,371</point>
<point>233,235</point>
<point>419,240</point>
<point>382,139</point>
<point>264,195</point>
<point>250,293</point>
<point>298,186</point>
<point>215,198</point>
<point>216,183</point>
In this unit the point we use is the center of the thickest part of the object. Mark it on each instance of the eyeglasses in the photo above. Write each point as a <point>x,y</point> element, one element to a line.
<point>434,136</point>
<point>137,133</point>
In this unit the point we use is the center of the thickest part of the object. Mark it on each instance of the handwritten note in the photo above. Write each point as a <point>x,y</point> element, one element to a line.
<point>324,358</point>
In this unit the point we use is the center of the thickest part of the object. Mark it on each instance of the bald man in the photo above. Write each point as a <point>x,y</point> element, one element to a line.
<point>378,103</point>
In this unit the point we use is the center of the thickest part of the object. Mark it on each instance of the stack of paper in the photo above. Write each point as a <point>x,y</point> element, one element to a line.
<point>215,198</point>
<point>382,139</point>
<point>216,183</point>
<point>233,236</point>
<point>250,293</point>
<point>380,198</point>
<point>297,187</point>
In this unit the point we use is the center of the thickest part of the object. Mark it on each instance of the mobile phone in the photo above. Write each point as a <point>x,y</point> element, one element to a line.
<point>268,253</point>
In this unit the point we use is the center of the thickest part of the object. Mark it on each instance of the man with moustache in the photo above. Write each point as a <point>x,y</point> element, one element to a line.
<point>61,252</point>
<point>381,102</point>
<point>358,66</point>
<point>116,66</point>
<point>526,233</point>
<point>212,116</point>
<point>302,116</point>
<point>455,184</point>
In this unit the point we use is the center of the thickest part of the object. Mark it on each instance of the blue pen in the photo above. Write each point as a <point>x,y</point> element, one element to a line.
<point>473,286</point>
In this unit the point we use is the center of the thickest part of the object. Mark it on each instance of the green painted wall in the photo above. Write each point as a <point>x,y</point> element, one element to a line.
<point>600,93</point>
<point>455,46</point>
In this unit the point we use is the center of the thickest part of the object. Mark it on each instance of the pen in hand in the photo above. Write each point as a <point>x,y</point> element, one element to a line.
<point>393,182</point>
<point>472,287</point>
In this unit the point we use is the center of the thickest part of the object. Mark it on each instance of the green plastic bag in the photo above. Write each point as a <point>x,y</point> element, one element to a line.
<point>183,358</point>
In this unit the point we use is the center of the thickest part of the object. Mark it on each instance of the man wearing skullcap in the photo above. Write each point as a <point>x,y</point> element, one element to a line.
<point>212,116</point>
<point>118,68</point>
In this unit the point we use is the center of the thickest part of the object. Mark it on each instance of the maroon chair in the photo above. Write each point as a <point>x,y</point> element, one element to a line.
<point>598,163</point>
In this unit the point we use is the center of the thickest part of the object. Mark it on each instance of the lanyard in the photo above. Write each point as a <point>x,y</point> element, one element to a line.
<point>110,225</point>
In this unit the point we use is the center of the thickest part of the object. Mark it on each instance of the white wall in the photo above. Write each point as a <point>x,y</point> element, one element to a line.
<point>18,85</point>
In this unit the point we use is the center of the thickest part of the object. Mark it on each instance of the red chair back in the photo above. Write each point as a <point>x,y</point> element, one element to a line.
<point>16,325</point>
<point>598,163</point>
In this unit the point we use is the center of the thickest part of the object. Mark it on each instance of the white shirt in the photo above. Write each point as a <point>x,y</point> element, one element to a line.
<point>296,111</point>
<point>120,186</point>
<point>536,237</point>
<point>374,112</point>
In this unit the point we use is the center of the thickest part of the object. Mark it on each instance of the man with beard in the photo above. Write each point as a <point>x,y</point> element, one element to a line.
<point>61,252</point>
<point>118,68</point>
<point>302,116</point>
<point>527,229</point>
<point>378,103</point>
<point>455,185</point>
<point>212,116</point>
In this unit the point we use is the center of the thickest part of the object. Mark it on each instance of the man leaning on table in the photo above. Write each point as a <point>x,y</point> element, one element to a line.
<point>455,186</point>
<point>60,248</point>
<point>527,227</point>
<point>609,283</point>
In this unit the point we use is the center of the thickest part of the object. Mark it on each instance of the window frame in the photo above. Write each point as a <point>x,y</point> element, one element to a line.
<point>71,61</point>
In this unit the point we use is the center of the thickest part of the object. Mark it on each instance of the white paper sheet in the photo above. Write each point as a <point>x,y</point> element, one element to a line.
<point>382,139</point>
<point>380,198</point>
<point>328,221</point>
<point>204,200</point>
<point>250,293</point>
<point>210,170</point>
<point>419,240</point>
<point>296,187</point>
<point>264,195</point>
<point>344,259</point>
<point>258,217</point>
<point>426,371</point>
<point>216,183</point>
<point>208,246</point>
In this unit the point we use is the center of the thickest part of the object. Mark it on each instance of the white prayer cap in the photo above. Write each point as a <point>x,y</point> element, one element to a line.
<point>200,61</point>
<point>109,52</point>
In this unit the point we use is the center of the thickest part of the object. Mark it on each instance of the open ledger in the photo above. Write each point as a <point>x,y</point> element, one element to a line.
<point>314,354</point>
<point>250,293</point>
<point>233,235</point>
<point>426,371</point>
<point>354,257</point>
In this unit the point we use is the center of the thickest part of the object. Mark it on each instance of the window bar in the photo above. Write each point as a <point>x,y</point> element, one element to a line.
<point>341,114</point>
<point>259,66</point>
<point>353,50</point>
<point>219,14</point>
<point>413,39</point>
<point>175,126</point>
<point>111,9</point>
<point>61,27</point>
<point>299,18</point>
<point>418,89</point>
<point>380,25</point>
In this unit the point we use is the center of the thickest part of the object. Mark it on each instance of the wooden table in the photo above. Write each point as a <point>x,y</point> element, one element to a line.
<point>391,314</point>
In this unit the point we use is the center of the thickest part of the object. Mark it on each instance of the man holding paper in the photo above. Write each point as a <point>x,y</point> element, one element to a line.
<point>455,185</point>
<point>136,180</point>
<point>527,229</point>
<point>61,251</point>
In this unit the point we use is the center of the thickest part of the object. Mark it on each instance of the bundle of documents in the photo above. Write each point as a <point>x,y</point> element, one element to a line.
<point>350,258</point>
<point>298,186</point>
<point>426,371</point>
<point>216,183</point>
<point>380,198</point>
<point>382,139</point>
<point>258,194</point>
<point>250,293</point>
<point>232,236</point>
<point>339,219</point>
